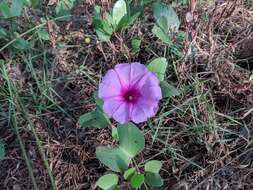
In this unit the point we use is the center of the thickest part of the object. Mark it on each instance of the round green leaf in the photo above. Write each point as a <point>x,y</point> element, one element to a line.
<point>136,43</point>
<point>168,90</point>
<point>162,10</point>
<point>129,173</point>
<point>158,66</point>
<point>5,10</point>
<point>161,34</point>
<point>96,119</point>
<point>114,158</point>
<point>137,180</point>
<point>131,139</point>
<point>63,7</point>
<point>108,182</point>
<point>153,166</point>
<point>16,7</point>
<point>119,11</point>
<point>153,179</point>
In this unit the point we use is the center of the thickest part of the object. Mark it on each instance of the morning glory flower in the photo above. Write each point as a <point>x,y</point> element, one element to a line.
<point>130,93</point>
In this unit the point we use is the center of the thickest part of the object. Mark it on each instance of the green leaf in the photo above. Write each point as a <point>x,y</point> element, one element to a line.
<point>96,119</point>
<point>2,151</point>
<point>162,23</point>
<point>153,179</point>
<point>14,10</point>
<point>123,23</point>
<point>168,90</point>
<point>119,11</point>
<point>3,33</point>
<point>16,7</point>
<point>109,19</point>
<point>86,118</point>
<point>158,66</point>
<point>101,118</point>
<point>99,102</point>
<point>63,7</point>
<point>136,43</point>
<point>117,188</point>
<point>21,44</point>
<point>103,36</point>
<point>5,10</point>
<point>153,166</point>
<point>161,30</point>
<point>96,12</point>
<point>131,142</point>
<point>137,180</point>
<point>34,3</point>
<point>108,182</point>
<point>133,18</point>
<point>131,139</point>
<point>161,34</point>
<point>127,21</point>
<point>128,174</point>
<point>162,10</point>
<point>43,34</point>
<point>102,27</point>
<point>114,158</point>
<point>115,134</point>
<point>107,28</point>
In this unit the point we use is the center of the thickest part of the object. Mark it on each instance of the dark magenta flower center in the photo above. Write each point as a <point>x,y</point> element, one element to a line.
<point>131,94</point>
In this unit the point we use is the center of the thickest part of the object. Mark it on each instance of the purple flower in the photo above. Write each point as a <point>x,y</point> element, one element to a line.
<point>130,93</point>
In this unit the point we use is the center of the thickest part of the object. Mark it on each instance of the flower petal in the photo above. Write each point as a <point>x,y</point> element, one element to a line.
<point>110,85</point>
<point>123,70</point>
<point>121,114</point>
<point>130,73</point>
<point>137,72</point>
<point>111,105</point>
<point>138,115</point>
<point>150,79</point>
<point>150,107</point>
<point>151,93</point>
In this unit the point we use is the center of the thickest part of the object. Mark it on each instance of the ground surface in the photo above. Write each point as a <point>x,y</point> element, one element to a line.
<point>203,136</point>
